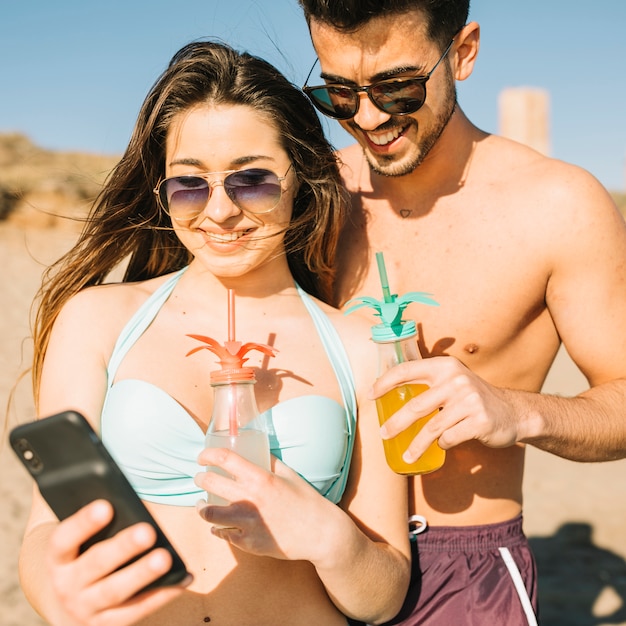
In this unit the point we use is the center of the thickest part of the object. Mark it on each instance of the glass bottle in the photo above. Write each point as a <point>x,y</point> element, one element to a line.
<point>235,421</point>
<point>391,352</point>
<point>396,342</point>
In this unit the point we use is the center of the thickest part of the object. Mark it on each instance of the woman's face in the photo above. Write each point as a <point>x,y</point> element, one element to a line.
<point>228,239</point>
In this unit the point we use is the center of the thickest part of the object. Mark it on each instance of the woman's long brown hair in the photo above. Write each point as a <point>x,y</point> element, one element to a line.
<point>125,223</point>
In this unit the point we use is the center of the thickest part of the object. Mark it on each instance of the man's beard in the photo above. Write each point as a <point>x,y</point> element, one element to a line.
<point>388,166</point>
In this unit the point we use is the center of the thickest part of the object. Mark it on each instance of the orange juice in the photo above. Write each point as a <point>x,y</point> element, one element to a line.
<point>387,405</point>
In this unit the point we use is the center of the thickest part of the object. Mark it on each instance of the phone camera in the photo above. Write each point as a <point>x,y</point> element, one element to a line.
<point>29,455</point>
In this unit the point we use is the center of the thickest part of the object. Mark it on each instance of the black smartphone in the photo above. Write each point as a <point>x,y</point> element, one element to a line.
<point>72,468</point>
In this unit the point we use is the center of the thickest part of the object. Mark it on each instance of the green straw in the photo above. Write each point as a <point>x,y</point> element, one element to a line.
<point>384,281</point>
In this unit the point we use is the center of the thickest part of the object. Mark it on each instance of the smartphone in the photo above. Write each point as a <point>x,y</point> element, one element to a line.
<point>72,468</point>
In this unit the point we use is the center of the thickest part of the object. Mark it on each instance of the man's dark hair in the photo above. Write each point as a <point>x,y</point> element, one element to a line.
<point>444,17</point>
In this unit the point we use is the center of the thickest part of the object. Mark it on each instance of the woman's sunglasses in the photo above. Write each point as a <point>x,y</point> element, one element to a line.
<point>253,190</point>
<point>395,96</point>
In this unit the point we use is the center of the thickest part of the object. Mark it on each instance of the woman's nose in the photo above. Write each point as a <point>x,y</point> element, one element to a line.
<point>219,207</point>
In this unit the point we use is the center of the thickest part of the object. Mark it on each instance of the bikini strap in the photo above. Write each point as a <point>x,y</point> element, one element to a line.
<point>341,366</point>
<point>139,322</point>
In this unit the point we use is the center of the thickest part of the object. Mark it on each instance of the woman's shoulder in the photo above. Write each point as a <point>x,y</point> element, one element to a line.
<point>355,333</point>
<point>108,305</point>
<point>357,325</point>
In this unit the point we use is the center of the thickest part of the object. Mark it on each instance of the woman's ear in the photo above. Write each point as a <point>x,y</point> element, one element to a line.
<point>466,45</point>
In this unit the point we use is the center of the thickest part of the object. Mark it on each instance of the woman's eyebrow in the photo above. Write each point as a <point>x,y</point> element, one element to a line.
<point>244,160</point>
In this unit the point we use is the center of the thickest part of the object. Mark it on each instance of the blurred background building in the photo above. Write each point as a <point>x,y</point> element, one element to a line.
<point>524,115</point>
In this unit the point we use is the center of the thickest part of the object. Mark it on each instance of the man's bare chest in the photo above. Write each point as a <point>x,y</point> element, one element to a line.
<point>490,288</point>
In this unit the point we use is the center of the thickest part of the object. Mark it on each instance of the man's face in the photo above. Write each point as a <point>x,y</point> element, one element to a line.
<point>393,46</point>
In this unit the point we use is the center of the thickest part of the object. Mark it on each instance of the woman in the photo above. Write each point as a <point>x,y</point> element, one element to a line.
<point>227,183</point>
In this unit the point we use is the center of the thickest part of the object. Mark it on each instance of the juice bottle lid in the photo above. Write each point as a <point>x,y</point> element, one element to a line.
<point>383,333</point>
<point>390,309</point>
<point>232,354</point>
<point>231,357</point>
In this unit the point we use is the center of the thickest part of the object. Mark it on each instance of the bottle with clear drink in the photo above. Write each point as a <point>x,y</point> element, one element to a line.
<point>235,421</point>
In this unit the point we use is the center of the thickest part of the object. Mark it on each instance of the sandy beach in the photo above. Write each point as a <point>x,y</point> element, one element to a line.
<point>575,514</point>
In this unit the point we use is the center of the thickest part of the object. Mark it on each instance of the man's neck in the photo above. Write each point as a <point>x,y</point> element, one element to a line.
<point>442,172</point>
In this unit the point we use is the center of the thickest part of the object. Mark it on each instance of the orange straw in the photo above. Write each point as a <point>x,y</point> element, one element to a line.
<point>232,422</point>
<point>231,315</point>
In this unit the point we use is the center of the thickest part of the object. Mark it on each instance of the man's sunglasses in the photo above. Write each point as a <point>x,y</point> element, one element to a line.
<point>253,190</point>
<point>395,96</point>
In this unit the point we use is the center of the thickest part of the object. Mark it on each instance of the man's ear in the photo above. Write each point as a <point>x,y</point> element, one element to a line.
<point>466,45</point>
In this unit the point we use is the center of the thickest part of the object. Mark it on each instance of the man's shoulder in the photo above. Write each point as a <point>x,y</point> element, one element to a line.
<point>515,165</point>
<point>508,155</point>
<point>550,202</point>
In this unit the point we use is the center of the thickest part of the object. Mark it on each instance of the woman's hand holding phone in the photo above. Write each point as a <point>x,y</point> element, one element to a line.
<point>107,561</point>
<point>90,587</point>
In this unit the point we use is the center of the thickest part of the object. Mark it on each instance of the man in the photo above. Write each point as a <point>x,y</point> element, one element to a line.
<point>521,252</point>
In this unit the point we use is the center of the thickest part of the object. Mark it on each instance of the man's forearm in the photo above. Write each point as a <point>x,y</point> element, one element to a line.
<point>589,427</point>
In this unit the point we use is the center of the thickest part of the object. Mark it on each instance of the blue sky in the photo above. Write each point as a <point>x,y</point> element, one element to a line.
<point>73,73</point>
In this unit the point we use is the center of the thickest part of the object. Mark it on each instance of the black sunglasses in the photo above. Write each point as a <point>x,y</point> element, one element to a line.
<point>396,96</point>
<point>252,190</point>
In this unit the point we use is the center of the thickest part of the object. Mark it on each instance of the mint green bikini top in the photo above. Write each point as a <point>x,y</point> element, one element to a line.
<point>156,442</point>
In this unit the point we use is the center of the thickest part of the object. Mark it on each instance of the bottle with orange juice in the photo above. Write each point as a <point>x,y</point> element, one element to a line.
<point>396,340</point>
